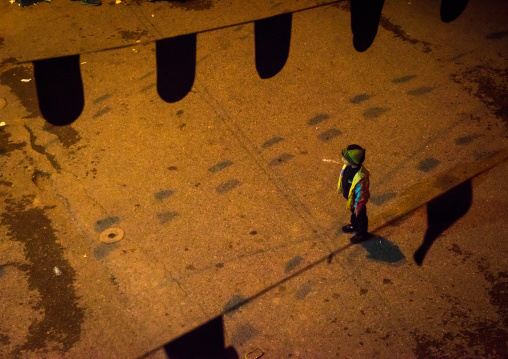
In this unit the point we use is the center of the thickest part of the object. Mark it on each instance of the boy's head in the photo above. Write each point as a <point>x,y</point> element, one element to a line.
<point>354,155</point>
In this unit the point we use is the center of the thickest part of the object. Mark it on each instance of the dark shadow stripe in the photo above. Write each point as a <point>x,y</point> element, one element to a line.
<point>285,157</point>
<point>59,89</point>
<point>272,141</point>
<point>176,66</point>
<point>365,16</point>
<point>272,37</point>
<point>220,166</point>
<point>329,134</point>
<point>227,186</point>
<point>452,9</point>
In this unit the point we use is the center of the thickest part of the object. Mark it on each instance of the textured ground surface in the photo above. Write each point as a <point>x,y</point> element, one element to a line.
<point>225,202</point>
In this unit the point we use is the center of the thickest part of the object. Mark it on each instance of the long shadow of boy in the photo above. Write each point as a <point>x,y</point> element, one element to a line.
<point>442,212</point>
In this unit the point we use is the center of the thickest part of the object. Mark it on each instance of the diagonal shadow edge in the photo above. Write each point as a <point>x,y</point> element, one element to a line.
<point>426,190</point>
<point>487,164</point>
<point>442,212</point>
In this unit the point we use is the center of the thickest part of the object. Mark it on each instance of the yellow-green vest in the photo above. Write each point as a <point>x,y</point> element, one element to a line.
<point>363,173</point>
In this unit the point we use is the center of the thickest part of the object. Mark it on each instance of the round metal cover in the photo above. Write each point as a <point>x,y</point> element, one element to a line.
<point>111,235</point>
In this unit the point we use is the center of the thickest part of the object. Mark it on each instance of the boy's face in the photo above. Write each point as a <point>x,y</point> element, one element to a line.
<point>346,162</point>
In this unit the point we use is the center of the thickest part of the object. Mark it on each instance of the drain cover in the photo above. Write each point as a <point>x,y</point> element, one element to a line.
<point>111,235</point>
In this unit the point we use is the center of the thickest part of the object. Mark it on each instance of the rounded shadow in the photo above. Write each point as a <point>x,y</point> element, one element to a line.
<point>365,16</point>
<point>59,89</point>
<point>272,38</point>
<point>452,9</point>
<point>176,66</point>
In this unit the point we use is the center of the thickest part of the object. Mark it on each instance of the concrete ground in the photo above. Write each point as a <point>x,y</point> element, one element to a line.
<point>226,206</point>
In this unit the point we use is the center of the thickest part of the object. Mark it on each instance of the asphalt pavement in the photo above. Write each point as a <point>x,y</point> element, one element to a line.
<point>143,220</point>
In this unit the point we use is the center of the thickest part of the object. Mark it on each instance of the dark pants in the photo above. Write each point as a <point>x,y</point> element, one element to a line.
<point>361,222</point>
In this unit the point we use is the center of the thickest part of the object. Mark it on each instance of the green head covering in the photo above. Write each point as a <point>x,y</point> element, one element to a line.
<point>354,154</point>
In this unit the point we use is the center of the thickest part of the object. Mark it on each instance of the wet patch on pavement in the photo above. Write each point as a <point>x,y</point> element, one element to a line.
<point>272,141</point>
<point>403,35</point>
<point>489,85</point>
<point>194,5</point>
<point>159,196</point>
<point>486,338</point>
<point>9,60</point>
<point>420,91</point>
<point>105,223</point>
<point>62,317</point>
<point>382,198</point>
<point>67,135</point>
<point>329,134</point>
<point>285,157</point>
<point>7,146</point>
<point>220,166</point>
<point>40,149</point>
<point>165,217</point>
<point>374,112</point>
<point>318,119</point>
<point>428,164</point>
<point>382,250</point>
<point>360,98</point>
<point>132,35</point>
<point>4,339</point>
<point>293,264</point>
<point>403,79</point>
<point>24,91</point>
<point>5,183</point>
<point>227,186</point>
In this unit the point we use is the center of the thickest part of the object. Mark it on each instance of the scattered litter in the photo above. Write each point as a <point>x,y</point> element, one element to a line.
<point>84,62</point>
<point>118,1</point>
<point>153,15</point>
<point>256,354</point>
<point>2,124</point>
<point>138,40</point>
<point>12,1</point>
<point>26,80</point>
<point>332,161</point>
<point>84,256</point>
<point>135,50</point>
<point>111,235</point>
<point>57,271</point>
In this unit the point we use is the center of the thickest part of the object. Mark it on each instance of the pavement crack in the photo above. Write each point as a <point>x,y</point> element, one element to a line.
<point>42,150</point>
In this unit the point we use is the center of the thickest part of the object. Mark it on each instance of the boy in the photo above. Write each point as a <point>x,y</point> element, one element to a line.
<point>354,186</point>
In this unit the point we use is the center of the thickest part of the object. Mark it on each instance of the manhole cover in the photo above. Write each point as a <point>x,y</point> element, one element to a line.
<point>111,235</point>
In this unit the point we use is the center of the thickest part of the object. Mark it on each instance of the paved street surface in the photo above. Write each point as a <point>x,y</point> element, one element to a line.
<point>227,211</point>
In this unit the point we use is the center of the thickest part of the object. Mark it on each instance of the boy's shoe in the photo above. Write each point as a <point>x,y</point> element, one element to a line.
<point>91,2</point>
<point>358,238</point>
<point>348,229</point>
